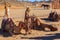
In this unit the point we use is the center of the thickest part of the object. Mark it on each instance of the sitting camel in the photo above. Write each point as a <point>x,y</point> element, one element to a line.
<point>8,25</point>
<point>53,16</point>
<point>37,24</point>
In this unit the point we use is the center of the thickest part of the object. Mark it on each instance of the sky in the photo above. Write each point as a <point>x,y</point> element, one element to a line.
<point>33,0</point>
<point>37,0</point>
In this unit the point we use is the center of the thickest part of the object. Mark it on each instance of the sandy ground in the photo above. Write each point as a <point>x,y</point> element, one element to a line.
<point>18,15</point>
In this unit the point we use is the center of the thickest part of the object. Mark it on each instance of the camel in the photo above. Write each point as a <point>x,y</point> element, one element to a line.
<point>8,25</point>
<point>46,6</point>
<point>53,16</point>
<point>7,22</point>
<point>37,24</point>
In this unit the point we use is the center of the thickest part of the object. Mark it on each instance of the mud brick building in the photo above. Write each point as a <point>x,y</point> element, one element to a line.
<point>56,4</point>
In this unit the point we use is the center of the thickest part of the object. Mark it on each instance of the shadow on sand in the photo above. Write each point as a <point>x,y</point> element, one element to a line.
<point>47,20</point>
<point>55,36</point>
<point>52,37</point>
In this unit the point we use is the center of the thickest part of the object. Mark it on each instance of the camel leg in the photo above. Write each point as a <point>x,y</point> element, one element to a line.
<point>28,28</point>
